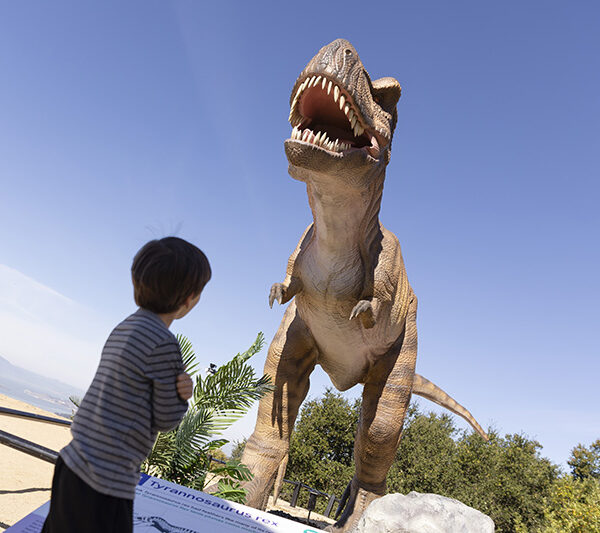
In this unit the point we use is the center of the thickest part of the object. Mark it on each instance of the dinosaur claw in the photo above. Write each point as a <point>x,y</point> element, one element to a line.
<point>276,293</point>
<point>364,308</point>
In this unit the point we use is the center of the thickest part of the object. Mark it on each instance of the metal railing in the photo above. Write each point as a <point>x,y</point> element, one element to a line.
<point>26,446</point>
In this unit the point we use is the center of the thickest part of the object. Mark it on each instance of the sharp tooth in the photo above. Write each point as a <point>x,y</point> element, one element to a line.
<point>356,131</point>
<point>342,101</point>
<point>313,81</point>
<point>317,81</point>
<point>317,138</point>
<point>324,83</point>
<point>350,115</point>
<point>336,145</point>
<point>305,134</point>
<point>352,121</point>
<point>346,109</point>
<point>329,87</point>
<point>359,130</point>
<point>336,93</point>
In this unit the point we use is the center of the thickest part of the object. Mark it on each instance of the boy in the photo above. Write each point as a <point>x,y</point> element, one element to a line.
<point>140,388</point>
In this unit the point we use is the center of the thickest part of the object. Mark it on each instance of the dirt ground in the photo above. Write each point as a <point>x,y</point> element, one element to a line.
<point>25,480</point>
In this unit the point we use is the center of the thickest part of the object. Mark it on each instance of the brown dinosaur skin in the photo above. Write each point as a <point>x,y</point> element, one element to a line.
<point>354,312</point>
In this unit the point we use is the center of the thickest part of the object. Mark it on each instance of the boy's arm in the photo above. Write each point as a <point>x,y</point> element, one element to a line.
<point>165,365</point>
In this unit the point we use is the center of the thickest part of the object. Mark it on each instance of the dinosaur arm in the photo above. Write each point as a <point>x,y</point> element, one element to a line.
<point>367,311</point>
<point>292,284</point>
<point>385,273</point>
<point>284,292</point>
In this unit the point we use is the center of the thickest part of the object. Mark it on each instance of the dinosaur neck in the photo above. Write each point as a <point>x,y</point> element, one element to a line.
<point>346,220</point>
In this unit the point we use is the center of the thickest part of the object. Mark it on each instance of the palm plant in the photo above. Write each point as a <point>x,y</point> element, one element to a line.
<point>183,455</point>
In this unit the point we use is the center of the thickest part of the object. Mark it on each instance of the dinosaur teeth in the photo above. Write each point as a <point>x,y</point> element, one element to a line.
<point>319,139</point>
<point>345,104</point>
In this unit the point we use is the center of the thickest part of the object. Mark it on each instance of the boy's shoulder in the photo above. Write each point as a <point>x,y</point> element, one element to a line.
<point>147,325</point>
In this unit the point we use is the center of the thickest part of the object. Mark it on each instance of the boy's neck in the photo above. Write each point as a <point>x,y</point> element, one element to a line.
<point>167,318</point>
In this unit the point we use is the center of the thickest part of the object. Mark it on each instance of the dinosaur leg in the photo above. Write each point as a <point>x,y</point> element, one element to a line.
<point>385,399</point>
<point>290,361</point>
<point>279,479</point>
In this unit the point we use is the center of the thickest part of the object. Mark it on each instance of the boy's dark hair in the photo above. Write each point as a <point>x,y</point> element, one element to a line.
<point>166,272</point>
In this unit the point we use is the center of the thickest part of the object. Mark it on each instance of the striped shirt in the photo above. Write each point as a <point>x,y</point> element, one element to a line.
<point>132,396</point>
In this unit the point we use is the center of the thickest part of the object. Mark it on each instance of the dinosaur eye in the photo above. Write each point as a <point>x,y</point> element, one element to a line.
<point>348,52</point>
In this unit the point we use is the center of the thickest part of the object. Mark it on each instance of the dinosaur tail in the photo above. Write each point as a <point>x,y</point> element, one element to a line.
<point>425,388</point>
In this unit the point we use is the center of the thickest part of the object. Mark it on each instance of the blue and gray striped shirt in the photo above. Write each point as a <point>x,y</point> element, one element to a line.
<point>132,396</point>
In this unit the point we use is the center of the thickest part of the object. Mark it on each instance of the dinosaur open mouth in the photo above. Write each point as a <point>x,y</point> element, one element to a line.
<point>325,115</point>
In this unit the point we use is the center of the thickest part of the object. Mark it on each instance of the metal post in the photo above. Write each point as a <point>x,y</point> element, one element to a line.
<point>295,495</point>
<point>312,503</point>
<point>330,503</point>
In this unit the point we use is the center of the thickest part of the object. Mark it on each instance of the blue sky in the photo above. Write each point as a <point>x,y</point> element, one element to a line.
<point>126,121</point>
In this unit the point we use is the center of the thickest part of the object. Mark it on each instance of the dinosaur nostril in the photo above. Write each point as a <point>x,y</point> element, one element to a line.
<point>348,52</point>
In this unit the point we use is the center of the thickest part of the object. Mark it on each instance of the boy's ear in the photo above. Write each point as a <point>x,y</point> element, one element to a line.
<point>386,92</point>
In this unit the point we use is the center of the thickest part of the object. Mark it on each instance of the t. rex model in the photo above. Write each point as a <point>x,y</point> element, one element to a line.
<point>354,312</point>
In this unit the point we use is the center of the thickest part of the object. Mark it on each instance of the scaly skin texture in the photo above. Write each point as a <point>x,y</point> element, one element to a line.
<point>353,311</point>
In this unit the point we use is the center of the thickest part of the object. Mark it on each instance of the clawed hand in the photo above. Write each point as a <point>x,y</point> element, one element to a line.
<point>276,293</point>
<point>364,308</point>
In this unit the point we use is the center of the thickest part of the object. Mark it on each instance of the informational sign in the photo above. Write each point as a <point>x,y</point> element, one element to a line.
<point>169,508</point>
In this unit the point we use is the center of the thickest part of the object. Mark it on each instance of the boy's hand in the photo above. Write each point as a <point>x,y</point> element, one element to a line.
<point>185,386</point>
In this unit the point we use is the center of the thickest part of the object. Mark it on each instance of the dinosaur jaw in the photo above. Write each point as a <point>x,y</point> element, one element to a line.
<point>326,117</point>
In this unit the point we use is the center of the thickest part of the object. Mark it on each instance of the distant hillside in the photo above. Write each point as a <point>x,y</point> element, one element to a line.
<point>49,394</point>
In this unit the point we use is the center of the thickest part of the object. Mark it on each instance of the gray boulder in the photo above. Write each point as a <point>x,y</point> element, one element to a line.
<point>422,513</point>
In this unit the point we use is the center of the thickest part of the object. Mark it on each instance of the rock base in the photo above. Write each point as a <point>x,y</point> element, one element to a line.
<point>422,513</point>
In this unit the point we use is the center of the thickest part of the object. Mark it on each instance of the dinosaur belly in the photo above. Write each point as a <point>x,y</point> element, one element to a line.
<point>347,351</point>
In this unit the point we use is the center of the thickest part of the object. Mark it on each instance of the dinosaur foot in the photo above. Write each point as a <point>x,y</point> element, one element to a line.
<point>358,502</point>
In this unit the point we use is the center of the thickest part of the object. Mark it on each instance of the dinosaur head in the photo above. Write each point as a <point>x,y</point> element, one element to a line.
<point>342,121</point>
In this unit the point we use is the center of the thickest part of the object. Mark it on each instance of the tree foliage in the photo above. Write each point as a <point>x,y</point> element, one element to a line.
<point>573,506</point>
<point>322,444</point>
<point>585,462</point>
<point>182,454</point>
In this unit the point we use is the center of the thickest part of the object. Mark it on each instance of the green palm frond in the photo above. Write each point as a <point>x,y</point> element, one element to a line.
<point>220,399</point>
<point>187,354</point>
<point>254,349</point>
